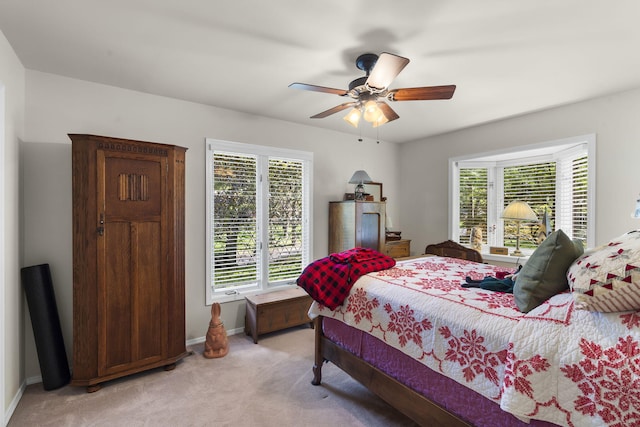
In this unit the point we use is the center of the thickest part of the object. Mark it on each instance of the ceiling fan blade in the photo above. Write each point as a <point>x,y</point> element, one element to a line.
<point>422,93</point>
<point>314,88</point>
<point>387,67</point>
<point>333,110</point>
<point>388,111</point>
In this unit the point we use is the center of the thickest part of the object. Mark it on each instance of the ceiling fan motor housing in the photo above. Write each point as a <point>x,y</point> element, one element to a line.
<point>366,62</point>
<point>360,81</point>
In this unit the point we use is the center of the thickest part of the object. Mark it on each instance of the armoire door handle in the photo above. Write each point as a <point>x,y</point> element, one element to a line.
<point>101,225</point>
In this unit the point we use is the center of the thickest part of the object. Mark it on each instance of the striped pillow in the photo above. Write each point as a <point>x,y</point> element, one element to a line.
<point>607,279</point>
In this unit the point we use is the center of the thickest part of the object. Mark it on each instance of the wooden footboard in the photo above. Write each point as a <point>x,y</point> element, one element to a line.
<point>409,402</point>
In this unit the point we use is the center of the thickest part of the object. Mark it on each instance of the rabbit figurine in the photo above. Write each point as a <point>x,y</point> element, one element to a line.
<point>216,344</point>
<point>476,238</point>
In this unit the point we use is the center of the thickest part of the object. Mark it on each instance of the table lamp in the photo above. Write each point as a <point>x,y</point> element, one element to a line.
<point>359,177</point>
<point>518,211</point>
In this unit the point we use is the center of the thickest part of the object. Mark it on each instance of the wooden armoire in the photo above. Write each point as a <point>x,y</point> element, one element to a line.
<point>128,257</point>
<point>356,223</point>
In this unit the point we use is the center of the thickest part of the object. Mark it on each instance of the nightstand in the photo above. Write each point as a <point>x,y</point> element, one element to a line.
<point>397,248</point>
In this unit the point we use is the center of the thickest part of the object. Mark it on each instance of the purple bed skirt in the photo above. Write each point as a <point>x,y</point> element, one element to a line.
<point>447,393</point>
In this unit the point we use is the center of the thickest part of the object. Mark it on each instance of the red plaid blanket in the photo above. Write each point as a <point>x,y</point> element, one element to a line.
<point>329,280</point>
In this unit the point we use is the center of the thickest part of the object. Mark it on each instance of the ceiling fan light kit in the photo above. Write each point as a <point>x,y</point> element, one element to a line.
<point>370,92</point>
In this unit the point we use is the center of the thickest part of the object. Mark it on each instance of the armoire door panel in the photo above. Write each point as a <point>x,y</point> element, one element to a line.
<point>115,311</point>
<point>133,188</point>
<point>133,317</point>
<point>150,295</point>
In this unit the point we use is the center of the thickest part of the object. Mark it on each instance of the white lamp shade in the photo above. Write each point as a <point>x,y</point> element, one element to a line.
<point>360,177</point>
<point>371,112</point>
<point>353,117</point>
<point>381,120</point>
<point>519,211</point>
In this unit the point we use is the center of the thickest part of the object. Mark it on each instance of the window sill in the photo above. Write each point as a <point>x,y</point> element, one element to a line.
<point>505,260</point>
<point>239,295</point>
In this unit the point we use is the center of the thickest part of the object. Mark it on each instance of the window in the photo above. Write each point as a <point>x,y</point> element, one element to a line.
<point>258,218</point>
<point>556,179</point>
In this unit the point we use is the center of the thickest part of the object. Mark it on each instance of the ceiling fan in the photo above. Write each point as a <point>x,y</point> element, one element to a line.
<point>370,92</point>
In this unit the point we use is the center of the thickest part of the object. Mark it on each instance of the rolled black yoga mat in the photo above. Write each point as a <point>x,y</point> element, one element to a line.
<point>38,287</point>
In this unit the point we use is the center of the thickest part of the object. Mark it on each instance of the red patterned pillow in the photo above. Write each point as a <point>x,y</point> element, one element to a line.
<point>607,279</point>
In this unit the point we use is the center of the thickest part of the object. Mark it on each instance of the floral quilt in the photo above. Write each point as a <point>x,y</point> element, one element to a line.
<point>570,367</point>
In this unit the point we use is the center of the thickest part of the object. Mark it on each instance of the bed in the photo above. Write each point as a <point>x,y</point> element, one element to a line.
<point>448,355</point>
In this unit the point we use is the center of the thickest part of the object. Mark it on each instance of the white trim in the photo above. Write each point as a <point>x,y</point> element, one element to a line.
<point>505,259</point>
<point>3,302</point>
<point>454,197</point>
<point>591,188</point>
<point>534,150</point>
<point>14,403</point>
<point>265,150</point>
<point>33,380</point>
<point>549,150</point>
<point>261,152</point>
<point>200,340</point>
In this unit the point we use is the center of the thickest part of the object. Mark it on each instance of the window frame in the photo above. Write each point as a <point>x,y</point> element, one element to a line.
<point>263,153</point>
<point>495,161</point>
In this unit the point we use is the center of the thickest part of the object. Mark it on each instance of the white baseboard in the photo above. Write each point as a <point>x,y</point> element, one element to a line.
<point>200,340</point>
<point>14,403</point>
<point>34,380</point>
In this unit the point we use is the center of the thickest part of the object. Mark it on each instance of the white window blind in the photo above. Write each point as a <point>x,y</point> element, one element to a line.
<point>473,201</point>
<point>235,228</point>
<point>535,184</point>
<point>258,217</point>
<point>573,192</point>
<point>287,234</point>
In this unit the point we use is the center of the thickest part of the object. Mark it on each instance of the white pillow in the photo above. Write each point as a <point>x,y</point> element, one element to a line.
<point>607,279</point>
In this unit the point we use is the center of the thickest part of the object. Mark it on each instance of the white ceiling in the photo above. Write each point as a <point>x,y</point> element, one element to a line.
<point>507,57</point>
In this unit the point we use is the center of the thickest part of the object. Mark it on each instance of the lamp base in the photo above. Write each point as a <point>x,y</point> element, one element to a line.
<point>517,252</point>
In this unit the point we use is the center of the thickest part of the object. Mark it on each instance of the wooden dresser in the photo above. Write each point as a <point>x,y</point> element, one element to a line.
<point>128,257</point>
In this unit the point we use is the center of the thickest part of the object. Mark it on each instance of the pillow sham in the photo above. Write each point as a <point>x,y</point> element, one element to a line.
<point>545,273</point>
<point>608,279</point>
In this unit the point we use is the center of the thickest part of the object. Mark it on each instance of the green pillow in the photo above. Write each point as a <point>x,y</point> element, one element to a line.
<point>545,273</point>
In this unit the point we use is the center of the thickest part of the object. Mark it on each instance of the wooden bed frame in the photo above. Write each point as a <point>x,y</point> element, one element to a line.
<point>452,249</point>
<point>409,402</point>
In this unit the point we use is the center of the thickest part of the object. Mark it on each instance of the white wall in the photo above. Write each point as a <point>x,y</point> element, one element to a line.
<point>56,106</point>
<point>12,84</point>
<point>614,120</point>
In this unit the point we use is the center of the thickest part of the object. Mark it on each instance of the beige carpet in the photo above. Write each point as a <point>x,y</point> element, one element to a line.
<point>264,384</point>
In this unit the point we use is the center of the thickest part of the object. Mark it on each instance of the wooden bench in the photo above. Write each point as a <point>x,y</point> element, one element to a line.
<point>275,311</point>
